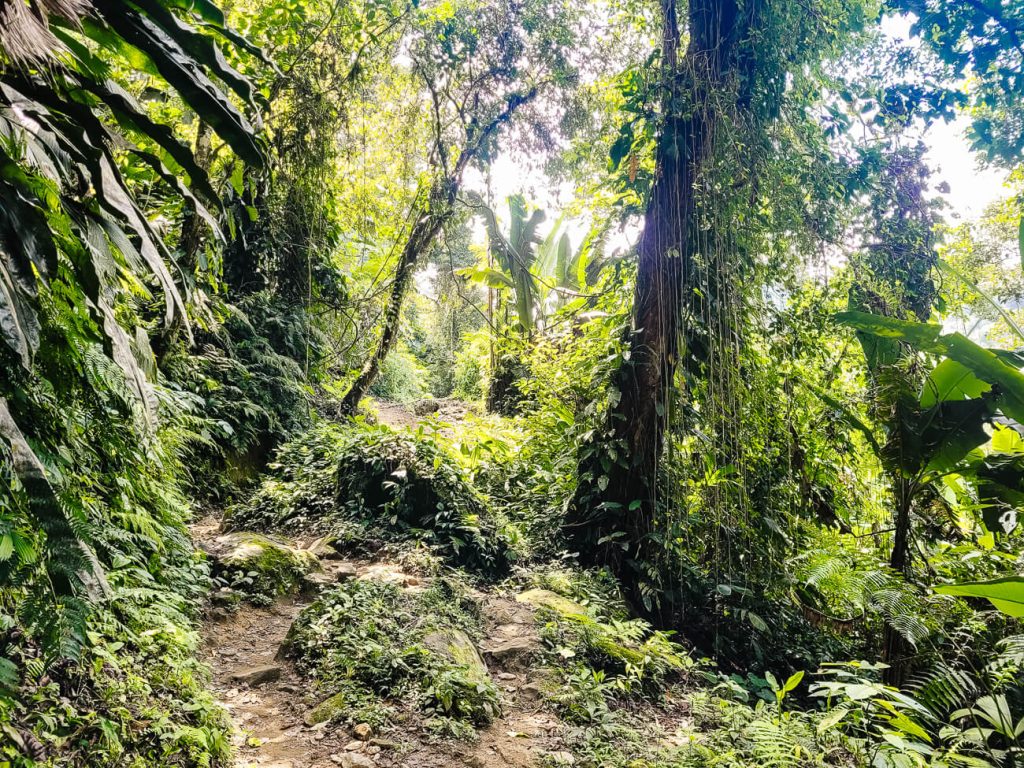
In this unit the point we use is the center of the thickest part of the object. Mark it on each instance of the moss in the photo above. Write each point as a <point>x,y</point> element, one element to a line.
<point>369,640</point>
<point>454,647</point>
<point>390,486</point>
<point>263,565</point>
<point>351,704</point>
<point>544,598</point>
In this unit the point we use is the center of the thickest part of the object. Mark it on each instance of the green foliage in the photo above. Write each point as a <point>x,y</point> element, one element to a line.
<point>1006,594</point>
<point>401,378</point>
<point>600,655</point>
<point>250,389</point>
<point>949,715</point>
<point>372,636</point>
<point>136,693</point>
<point>727,733</point>
<point>400,486</point>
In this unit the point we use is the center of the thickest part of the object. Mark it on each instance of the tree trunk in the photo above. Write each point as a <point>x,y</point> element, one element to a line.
<point>619,497</point>
<point>193,229</point>
<point>429,222</point>
<point>895,646</point>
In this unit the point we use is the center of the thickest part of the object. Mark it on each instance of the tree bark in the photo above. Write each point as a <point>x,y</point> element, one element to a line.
<point>193,229</point>
<point>611,517</point>
<point>895,646</point>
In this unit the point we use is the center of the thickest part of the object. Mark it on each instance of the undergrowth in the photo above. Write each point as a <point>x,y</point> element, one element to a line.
<point>365,481</point>
<point>371,646</point>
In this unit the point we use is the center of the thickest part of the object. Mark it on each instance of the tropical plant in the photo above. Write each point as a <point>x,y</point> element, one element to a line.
<point>76,245</point>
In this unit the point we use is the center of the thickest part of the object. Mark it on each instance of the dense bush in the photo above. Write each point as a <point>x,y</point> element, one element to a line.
<point>401,378</point>
<point>399,486</point>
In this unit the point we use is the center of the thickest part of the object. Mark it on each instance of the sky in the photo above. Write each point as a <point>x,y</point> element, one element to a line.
<point>971,188</point>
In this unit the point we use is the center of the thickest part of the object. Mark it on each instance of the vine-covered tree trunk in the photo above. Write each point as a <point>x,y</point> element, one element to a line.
<point>613,509</point>
<point>431,219</point>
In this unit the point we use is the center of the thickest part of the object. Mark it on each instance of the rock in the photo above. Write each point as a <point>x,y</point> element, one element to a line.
<point>225,596</point>
<point>512,652</point>
<point>345,571</point>
<point>353,760</point>
<point>455,646</point>
<point>327,710</point>
<point>531,692</point>
<point>314,583</point>
<point>506,676</point>
<point>254,676</point>
<point>389,574</point>
<point>278,564</point>
<point>354,746</point>
<point>363,731</point>
<point>545,598</point>
<point>426,407</point>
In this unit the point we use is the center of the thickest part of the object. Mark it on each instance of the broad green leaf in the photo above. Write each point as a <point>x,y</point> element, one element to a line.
<point>793,681</point>
<point>950,430</point>
<point>1006,594</point>
<point>990,367</point>
<point>923,336</point>
<point>950,380</point>
<point>1007,440</point>
<point>128,111</point>
<point>185,75</point>
<point>489,276</point>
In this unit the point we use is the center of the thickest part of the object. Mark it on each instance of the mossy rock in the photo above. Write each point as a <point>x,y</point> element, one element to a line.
<point>456,647</point>
<point>259,564</point>
<point>476,699</point>
<point>545,598</point>
<point>329,710</point>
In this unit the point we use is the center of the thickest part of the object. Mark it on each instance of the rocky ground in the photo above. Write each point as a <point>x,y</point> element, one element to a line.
<point>273,706</point>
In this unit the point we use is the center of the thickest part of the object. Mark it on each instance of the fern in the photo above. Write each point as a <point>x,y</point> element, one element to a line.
<point>943,689</point>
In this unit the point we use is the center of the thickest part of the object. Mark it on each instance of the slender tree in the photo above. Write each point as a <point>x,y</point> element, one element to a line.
<point>480,69</point>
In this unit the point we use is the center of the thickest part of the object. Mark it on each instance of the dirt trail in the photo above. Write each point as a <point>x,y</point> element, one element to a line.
<point>264,695</point>
<point>268,699</point>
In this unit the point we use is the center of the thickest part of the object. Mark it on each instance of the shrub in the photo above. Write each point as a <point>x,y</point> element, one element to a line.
<point>403,486</point>
<point>369,639</point>
<point>401,378</point>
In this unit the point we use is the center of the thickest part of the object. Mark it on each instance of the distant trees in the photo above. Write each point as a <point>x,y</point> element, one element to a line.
<point>478,68</point>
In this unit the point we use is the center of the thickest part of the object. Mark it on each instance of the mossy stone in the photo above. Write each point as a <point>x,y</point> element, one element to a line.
<point>456,647</point>
<point>545,598</point>
<point>328,710</point>
<point>279,565</point>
